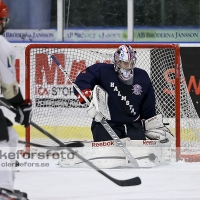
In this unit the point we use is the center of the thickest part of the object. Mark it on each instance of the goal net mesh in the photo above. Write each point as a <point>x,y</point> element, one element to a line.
<point>57,110</point>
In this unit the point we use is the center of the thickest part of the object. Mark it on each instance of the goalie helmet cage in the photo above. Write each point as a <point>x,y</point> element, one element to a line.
<point>57,110</point>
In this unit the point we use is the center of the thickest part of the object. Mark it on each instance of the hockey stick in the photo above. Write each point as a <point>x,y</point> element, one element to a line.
<point>6,104</point>
<point>128,182</point>
<point>103,121</point>
<point>56,148</point>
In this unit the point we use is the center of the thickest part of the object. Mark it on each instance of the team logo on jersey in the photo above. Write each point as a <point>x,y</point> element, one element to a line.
<point>137,89</point>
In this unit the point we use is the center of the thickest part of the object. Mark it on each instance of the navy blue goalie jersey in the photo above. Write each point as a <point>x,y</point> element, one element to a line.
<point>127,103</point>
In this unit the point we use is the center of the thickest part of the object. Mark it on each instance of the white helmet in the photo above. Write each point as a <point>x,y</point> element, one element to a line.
<point>125,54</point>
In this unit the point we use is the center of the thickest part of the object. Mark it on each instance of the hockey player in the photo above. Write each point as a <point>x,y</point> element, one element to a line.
<point>131,97</point>
<point>11,92</point>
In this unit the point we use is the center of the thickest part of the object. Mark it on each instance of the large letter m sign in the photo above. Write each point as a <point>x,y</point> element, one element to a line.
<point>47,71</point>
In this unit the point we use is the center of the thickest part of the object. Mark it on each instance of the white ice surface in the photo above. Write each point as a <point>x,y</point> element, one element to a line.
<point>179,180</point>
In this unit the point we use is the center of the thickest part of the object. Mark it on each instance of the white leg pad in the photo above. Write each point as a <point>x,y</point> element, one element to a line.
<point>159,153</point>
<point>149,153</point>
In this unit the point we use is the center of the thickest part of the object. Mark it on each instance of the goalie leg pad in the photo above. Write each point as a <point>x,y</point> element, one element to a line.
<point>166,152</point>
<point>158,153</point>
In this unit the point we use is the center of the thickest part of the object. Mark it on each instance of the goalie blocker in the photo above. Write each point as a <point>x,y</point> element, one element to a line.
<point>98,107</point>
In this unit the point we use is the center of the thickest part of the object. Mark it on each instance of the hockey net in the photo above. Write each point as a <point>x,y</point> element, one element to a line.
<point>57,110</point>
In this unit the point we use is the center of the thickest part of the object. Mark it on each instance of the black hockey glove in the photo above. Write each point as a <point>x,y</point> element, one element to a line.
<point>24,113</point>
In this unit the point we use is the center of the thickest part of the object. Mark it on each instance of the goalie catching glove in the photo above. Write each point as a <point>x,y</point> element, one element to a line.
<point>155,129</point>
<point>24,113</point>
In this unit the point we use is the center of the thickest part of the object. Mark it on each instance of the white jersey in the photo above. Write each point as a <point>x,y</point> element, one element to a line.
<point>7,70</point>
<point>9,89</point>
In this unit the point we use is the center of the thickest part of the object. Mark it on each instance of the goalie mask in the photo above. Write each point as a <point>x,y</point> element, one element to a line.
<point>124,62</point>
<point>4,16</point>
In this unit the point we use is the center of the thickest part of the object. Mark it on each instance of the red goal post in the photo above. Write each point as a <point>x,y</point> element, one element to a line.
<point>56,109</point>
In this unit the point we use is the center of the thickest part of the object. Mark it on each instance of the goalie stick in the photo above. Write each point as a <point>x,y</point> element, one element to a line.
<point>103,121</point>
<point>72,144</point>
<point>128,182</point>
